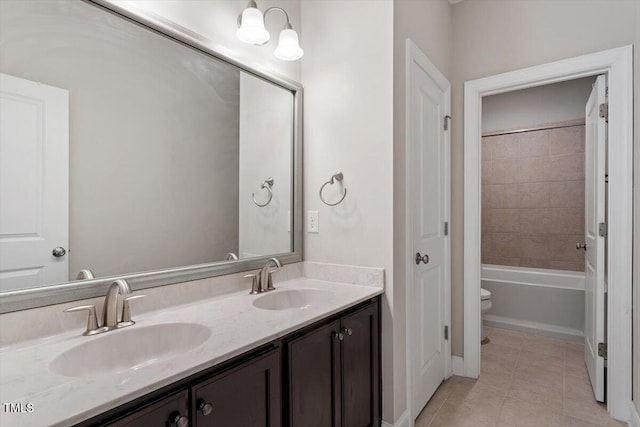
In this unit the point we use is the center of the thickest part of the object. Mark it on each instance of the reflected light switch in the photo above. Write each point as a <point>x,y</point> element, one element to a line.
<point>312,222</point>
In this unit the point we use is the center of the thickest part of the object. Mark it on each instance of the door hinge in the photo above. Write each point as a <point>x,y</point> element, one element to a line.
<point>446,332</point>
<point>603,229</point>
<point>604,111</point>
<point>602,349</point>
<point>447,119</point>
<point>446,228</point>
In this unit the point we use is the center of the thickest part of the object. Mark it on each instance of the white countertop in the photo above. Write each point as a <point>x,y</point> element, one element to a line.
<point>236,327</point>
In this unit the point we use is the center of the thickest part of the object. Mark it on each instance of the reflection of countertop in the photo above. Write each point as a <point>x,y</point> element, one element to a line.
<point>236,327</point>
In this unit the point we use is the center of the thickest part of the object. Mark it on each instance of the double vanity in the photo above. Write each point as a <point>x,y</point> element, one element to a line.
<point>204,155</point>
<point>306,353</point>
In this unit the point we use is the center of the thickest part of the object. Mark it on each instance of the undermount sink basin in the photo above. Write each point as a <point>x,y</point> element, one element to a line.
<point>291,298</point>
<point>129,349</point>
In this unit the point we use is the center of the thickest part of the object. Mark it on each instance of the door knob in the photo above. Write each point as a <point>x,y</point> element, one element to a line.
<point>422,258</point>
<point>581,246</point>
<point>59,252</point>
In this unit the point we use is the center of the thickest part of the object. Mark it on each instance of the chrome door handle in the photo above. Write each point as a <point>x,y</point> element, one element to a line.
<point>422,258</point>
<point>581,246</point>
<point>59,252</point>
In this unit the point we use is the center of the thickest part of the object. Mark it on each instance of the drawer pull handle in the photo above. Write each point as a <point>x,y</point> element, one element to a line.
<point>205,407</point>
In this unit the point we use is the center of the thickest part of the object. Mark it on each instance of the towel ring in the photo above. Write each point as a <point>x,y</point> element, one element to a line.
<point>267,184</point>
<point>338,176</point>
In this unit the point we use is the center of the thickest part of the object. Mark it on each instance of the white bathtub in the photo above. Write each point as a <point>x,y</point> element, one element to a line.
<point>534,300</point>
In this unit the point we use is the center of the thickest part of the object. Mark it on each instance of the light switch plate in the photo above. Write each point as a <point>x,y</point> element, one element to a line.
<point>312,222</point>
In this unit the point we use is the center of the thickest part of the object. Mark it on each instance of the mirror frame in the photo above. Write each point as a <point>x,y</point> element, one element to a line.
<point>83,289</point>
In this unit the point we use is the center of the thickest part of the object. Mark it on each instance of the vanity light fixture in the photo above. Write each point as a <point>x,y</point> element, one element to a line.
<point>251,30</point>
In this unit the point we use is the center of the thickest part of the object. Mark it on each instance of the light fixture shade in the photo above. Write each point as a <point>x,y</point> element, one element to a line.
<point>252,27</point>
<point>288,47</point>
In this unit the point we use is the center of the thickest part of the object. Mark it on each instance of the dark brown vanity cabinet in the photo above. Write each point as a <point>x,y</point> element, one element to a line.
<point>172,411</point>
<point>324,375</point>
<point>334,373</point>
<point>247,396</point>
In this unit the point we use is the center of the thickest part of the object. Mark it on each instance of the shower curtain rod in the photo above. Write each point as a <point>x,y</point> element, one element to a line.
<point>567,124</point>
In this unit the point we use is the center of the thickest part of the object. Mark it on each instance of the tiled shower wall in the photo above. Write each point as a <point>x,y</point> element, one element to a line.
<point>533,198</point>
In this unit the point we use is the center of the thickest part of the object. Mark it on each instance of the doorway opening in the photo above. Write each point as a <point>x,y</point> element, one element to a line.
<point>614,66</point>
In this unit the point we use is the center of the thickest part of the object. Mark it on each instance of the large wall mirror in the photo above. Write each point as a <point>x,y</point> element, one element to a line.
<point>130,149</point>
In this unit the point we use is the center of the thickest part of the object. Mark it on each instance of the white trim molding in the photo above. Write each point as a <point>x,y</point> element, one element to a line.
<point>634,416</point>
<point>413,54</point>
<point>403,421</point>
<point>457,365</point>
<point>617,64</point>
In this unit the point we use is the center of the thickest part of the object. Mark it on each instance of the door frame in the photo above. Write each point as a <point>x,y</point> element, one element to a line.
<point>413,54</point>
<point>617,64</point>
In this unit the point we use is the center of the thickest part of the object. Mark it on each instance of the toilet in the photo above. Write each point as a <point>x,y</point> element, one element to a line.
<point>485,305</point>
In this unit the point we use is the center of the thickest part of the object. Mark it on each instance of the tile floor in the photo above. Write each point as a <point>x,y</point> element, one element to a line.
<point>525,380</point>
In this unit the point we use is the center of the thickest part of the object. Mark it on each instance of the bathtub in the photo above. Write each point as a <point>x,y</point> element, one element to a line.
<point>534,300</point>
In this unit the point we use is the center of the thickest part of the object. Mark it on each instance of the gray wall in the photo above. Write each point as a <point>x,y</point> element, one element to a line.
<point>153,136</point>
<point>558,102</point>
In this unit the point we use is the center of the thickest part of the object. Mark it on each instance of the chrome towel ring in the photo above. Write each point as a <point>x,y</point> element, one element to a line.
<point>267,184</point>
<point>338,176</point>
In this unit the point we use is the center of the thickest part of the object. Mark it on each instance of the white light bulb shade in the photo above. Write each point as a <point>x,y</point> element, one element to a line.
<point>252,27</point>
<point>288,47</point>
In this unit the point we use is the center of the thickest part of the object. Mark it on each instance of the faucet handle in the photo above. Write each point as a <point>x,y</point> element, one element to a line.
<point>254,283</point>
<point>92,321</point>
<point>126,311</point>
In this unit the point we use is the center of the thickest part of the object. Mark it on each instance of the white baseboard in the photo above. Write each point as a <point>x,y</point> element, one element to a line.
<point>535,328</point>
<point>457,365</point>
<point>403,421</point>
<point>634,416</point>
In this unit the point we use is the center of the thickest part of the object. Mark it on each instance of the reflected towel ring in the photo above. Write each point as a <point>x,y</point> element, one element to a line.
<point>338,176</point>
<point>267,184</point>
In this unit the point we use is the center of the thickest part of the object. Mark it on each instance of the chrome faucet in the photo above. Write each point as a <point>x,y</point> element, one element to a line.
<point>265,281</point>
<point>110,318</point>
<point>262,280</point>
<point>230,256</point>
<point>110,309</point>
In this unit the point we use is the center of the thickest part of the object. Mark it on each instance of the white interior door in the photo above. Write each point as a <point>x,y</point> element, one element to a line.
<point>595,140</point>
<point>34,183</point>
<point>428,158</point>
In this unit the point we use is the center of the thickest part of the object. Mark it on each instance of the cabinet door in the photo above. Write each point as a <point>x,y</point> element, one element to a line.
<point>314,378</point>
<point>247,396</point>
<point>170,411</point>
<point>361,368</point>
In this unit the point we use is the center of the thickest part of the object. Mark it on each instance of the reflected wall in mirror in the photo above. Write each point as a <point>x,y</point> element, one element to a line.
<point>132,152</point>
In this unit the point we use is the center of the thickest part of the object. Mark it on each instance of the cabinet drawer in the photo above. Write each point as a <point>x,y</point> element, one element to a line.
<point>247,396</point>
<point>158,414</point>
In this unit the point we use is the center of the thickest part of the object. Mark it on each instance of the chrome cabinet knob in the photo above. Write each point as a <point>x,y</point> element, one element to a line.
<point>59,252</point>
<point>205,407</point>
<point>347,331</point>
<point>177,420</point>
<point>422,258</point>
<point>338,335</point>
<point>581,246</point>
